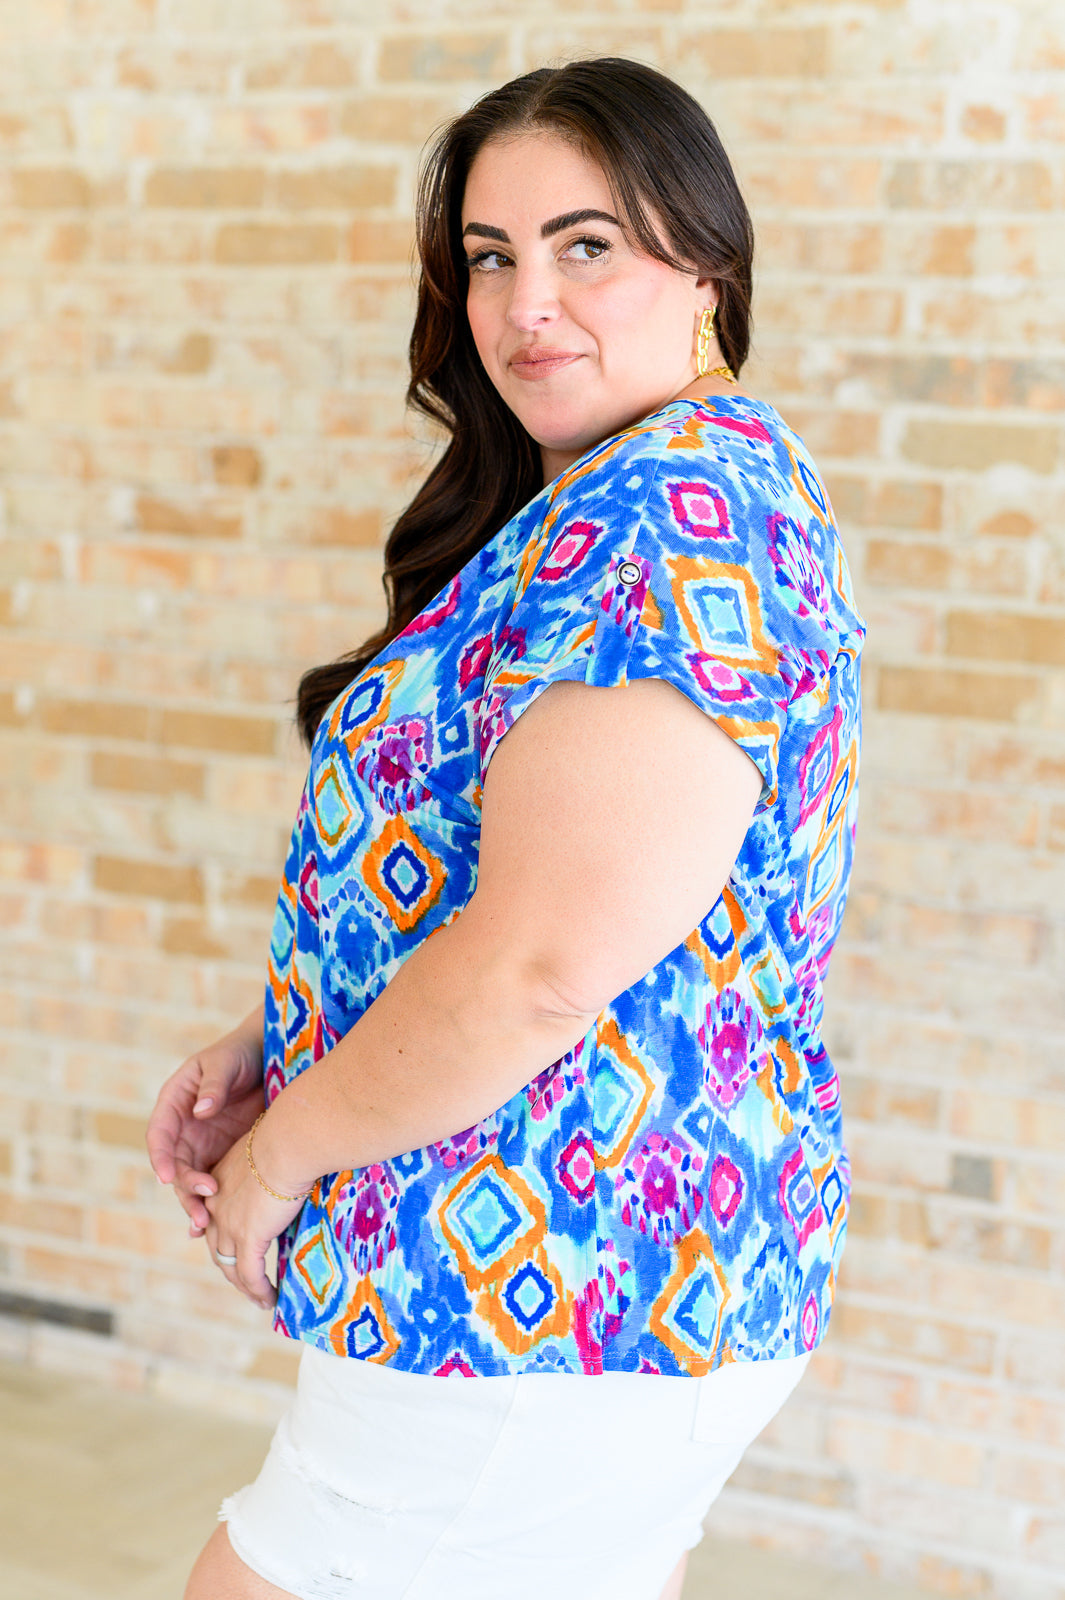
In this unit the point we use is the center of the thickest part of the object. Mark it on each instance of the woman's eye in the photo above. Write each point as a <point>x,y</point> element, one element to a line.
<point>588,249</point>
<point>487,261</point>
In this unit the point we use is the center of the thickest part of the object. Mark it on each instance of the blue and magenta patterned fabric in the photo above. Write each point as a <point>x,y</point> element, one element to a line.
<point>672,1194</point>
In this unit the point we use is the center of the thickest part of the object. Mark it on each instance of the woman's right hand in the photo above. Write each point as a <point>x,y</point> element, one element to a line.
<point>208,1104</point>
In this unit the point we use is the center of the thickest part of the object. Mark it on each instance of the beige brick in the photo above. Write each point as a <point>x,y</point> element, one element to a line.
<point>346,188</point>
<point>759,52</point>
<point>236,465</point>
<point>1008,1120</point>
<point>193,354</point>
<point>824,1487</point>
<point>155,880</point>
<point>910,503</point>
<point>141,1235</point>
<point>115,1128</point>
<point>974,446</point>
<point>210,730</point>
<point>950,380</point>
<point>1006,636</point>
<point>1009,525</point>
<point>983,124</point>
<point>335,525</point>
<point>916,1338</point>
<point>50,188</point>
<point>96,718</point>
<point>945,250</point>
<point>277,1362</point>
<point>231,188</point>
<point>152,565</point>
<point>194,521</point>
<point>837,432</point>
<point>908,563</point>
<point>255,891</point>
<point>440,58</point>
<point>815,181</point>
<point>883,1217</point>
<point>244,131</point>
<point>950,693</point>
<point>947,185</point>
<point>324,65</point>
<point>376,241</point>
<point>1044,117</point>
<point>957,812</point>
<point>1034,385</point>
<point>82,1273</point>
<point>1030,1478</point>
<point>393,118</point>
<point>190,936</point>
<point>265,244</point>
<point>146,774</point>
<point>41,1216</point>
<point>358,413</point>
<point>908,1452</point>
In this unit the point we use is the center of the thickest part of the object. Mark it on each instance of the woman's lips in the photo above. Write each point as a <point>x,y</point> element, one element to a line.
<point>541,364</point>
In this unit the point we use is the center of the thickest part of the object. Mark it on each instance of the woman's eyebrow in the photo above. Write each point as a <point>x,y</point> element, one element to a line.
<point>568,219</point>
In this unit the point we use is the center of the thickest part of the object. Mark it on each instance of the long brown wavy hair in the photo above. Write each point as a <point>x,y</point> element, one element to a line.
<point>663,159</point>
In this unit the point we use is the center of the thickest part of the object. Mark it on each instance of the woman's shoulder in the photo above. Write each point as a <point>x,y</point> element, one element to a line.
<point>721,436</point>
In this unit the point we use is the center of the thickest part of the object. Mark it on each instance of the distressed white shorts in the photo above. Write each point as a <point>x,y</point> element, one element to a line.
<point>387,1485</point>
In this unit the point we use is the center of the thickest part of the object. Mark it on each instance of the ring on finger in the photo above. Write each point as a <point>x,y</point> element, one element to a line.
<point>227,1261</point>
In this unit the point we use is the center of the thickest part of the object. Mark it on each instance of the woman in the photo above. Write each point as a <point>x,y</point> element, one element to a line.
<point>548,1106</point>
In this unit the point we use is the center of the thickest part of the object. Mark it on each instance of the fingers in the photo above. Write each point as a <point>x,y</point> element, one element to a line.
<point>212,1098</point>
<point>217,1083</point>
<point>164,1125</point>
<point>161,1139</point>
<point>253,1279</point>
<point>192,1189</point>
<point>246,1272</point>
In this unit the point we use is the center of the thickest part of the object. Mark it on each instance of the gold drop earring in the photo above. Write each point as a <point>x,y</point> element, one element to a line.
<point>703,367</point>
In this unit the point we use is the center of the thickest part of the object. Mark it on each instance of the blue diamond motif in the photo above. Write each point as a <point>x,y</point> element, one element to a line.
<point>697,1312</point>
<point>528,1296</point>
<point>404,874</point>
<point>363,1336</point>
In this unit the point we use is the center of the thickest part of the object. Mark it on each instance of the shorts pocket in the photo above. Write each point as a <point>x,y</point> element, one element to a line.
<point>736,1401</point>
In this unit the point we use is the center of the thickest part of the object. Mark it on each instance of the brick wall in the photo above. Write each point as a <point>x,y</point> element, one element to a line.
<point>204,304</point>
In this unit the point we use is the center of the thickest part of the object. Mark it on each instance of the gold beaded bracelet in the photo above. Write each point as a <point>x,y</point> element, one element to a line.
<point>258,1175</point>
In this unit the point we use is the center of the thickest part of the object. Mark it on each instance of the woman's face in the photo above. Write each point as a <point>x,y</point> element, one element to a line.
<point>581,333</point>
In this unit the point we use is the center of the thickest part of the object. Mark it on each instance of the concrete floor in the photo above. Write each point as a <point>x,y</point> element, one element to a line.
<point>106,1495</point>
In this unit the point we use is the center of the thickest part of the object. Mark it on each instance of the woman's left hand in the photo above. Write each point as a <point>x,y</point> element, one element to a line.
<point>245,1221</point>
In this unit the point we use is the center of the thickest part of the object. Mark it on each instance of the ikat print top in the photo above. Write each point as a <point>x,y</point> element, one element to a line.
<point>671,1194</point>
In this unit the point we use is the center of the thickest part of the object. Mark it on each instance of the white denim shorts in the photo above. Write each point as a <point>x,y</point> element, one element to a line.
<point>387,1485</point>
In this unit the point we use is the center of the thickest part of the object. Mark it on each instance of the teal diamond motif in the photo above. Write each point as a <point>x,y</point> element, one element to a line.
<point>721,614</point>
<point>489,1219</point>
<point>613,1101</point>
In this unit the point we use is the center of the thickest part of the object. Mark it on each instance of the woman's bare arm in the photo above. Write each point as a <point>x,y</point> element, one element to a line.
<point>611,820</point>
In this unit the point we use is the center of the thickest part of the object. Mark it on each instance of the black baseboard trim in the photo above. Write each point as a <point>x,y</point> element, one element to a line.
<point>89,1319</point>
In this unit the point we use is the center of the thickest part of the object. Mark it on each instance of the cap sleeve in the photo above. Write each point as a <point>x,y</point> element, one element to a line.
<point>675,567</point>
<point>580,591</point>
<point>736,611</point>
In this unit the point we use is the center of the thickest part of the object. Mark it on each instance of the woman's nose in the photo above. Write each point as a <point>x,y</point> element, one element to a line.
<point>533,299</point>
